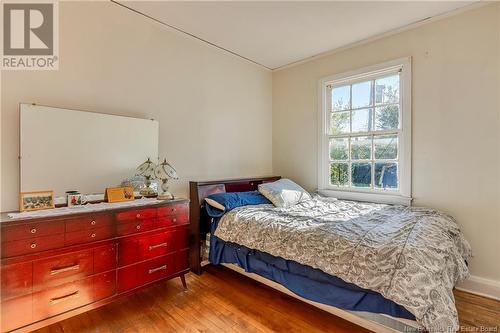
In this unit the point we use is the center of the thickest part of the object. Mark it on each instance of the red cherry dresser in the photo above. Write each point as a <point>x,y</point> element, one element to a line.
<point>53,268</point>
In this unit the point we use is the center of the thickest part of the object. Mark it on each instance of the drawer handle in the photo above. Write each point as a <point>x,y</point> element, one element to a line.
<point>174,220</point>
<point>138,227</point>
<point>33,245</point>
<point>60,299</point>
<point>33,231</point>
<point>138,216</point>
<point>93,235</point>
<point>152,270</point>
<point>152,247</point>
<point>64,269</point>
<point>173,209</point>
<point>92,222</point>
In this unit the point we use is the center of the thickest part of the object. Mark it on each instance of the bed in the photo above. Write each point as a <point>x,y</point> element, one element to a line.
<point>344,257</point>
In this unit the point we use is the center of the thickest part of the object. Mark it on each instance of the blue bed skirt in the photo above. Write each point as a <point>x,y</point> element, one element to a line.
<point>304,281</point>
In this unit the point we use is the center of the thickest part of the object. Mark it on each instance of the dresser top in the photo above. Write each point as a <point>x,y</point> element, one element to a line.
<point>64,212</point>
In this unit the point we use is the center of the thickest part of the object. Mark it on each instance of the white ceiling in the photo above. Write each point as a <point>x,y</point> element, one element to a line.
<point>278,33</point>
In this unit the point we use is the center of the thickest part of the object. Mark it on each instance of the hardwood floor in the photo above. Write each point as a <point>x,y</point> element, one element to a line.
<point>476,311</point>
<point>223,301</point>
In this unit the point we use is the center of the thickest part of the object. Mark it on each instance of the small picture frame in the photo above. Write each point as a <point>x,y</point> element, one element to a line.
<point>75,200</point>
<point>37,200</point>
<point>119,194</point>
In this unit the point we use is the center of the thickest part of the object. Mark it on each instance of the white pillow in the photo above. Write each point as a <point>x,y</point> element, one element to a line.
<point>215,204</point>
<point>284,193</point>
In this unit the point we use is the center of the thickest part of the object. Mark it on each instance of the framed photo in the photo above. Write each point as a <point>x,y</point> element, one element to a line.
<point>118,194</point>
<point>36,200</point>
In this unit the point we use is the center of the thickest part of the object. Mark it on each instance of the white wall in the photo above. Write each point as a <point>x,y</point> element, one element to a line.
<point>112,60</point>
<point>455,120</point>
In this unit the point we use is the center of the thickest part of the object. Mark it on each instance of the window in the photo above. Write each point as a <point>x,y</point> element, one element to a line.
<point>365,134</point>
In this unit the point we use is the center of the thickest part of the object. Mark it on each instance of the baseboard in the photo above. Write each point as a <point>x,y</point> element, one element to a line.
<point>481,286</point>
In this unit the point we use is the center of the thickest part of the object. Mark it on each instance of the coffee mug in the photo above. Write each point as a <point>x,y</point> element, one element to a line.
<point>76,199</point>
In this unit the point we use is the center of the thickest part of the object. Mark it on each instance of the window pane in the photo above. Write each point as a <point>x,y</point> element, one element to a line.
<point>387,90</point>
<point>361,94</point>
<point>361,148</point>
<point>386,147</point>
<point>340,122</point>
<point>339,174</point>
<point>362,120</point>
<point>387,117</point>
<point>386,175</point>
<point>361,174</point>
<point>341,98</point>
<point>339,149</point>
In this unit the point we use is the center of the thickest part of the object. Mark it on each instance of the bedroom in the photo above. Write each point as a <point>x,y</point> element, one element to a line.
<point>237,90</point>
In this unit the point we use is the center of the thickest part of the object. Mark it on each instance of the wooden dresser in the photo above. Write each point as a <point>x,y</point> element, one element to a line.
<point>55,267</point>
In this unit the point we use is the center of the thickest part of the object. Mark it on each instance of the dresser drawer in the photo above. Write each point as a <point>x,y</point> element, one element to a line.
<point>155,269</point>
<point>62,298</point>
<point>145,247</point>
<point>16,312</point>
<point>89,222</point>
<point>136,214</point>
<point>145,272</point>
<point>156,245</point>
<point>62,269</point>
<point>28,246</point>
<point>32,230</point>
<point>173,220</point>
<point>17,280</point>
<point>179,209</point>
<point>89,235</point>
<point>137,226</point>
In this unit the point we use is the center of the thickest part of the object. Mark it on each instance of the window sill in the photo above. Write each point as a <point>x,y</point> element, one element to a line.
<point>368,197</point>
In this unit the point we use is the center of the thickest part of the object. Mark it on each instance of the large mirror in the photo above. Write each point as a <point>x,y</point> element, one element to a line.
<point>63,150</point>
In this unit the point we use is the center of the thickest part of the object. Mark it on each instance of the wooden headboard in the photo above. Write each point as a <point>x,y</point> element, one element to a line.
<point>198,191</point>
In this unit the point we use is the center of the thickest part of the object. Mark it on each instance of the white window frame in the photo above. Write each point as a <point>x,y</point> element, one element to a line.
<point>403,194</point>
